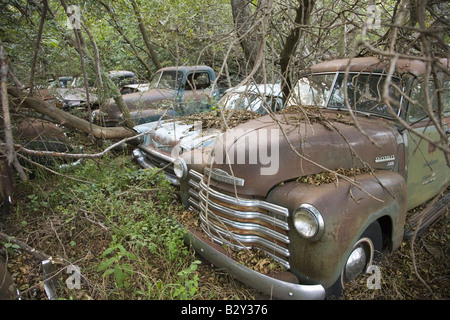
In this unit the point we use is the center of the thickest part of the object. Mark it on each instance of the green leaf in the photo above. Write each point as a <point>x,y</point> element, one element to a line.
<point>108,272</point>
<point>106,264</point>
<point>120,277</point>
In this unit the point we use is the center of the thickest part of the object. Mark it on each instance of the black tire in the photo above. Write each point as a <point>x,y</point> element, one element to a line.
<point>370,242</point>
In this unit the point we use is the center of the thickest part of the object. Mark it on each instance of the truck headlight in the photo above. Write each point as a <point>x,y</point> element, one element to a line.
<point>180,168</point>
<point>308,222</point>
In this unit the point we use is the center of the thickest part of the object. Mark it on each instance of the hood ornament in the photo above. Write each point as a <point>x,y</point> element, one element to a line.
<point>223,176</point>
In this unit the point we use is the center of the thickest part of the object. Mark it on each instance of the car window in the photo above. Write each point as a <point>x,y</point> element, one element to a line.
<point>417,107</point>
<point>198,81</point>
<point>365,94</point>
<point>166,80</point>
<point>312,90</point>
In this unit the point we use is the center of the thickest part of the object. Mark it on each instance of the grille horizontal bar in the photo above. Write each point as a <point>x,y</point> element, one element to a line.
<point>239,222</point>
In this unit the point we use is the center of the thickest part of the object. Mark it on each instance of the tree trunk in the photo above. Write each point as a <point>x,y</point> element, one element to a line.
<point>82,48</point>
<point>119,29</point>
<point>10,152</point>
<point>303,12</point>
<point>248,27</point>
<point>144,34</point>
<point>68,119</point>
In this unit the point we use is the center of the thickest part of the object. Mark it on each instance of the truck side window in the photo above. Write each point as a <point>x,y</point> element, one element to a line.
<point>197,81</point>
<point>417,109</point>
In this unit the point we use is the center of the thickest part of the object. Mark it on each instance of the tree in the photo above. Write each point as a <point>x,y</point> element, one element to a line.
<point>260,41</point>
<point>302,18</point>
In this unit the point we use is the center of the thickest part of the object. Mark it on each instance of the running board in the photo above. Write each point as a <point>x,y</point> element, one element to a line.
<point>418,224</point>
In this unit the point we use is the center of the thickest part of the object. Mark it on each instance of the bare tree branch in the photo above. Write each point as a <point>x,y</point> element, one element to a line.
<point>38,42</point>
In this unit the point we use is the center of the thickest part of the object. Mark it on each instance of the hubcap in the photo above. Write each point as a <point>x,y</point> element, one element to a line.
<point>359,259</point>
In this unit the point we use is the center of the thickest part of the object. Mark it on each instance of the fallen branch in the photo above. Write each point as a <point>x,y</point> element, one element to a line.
<point>32,251</point>
<point>41,153</point>
<point>68,119</point>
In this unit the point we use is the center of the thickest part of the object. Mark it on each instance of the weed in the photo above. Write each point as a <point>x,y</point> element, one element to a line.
<point>115,265</point>
<point>187,282</point>
<point>145,254</point>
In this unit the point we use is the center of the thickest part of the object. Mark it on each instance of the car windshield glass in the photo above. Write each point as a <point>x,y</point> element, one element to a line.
<point>365,94</point>
<point>241,101</point>
<point>312,90</point>
<point>166,80</point>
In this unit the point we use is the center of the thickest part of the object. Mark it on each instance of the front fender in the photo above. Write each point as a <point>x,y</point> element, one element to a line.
<point>347,209</point>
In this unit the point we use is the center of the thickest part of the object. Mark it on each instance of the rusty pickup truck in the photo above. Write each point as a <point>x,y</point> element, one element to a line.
<point>313,194</point>
<point>173,91</point>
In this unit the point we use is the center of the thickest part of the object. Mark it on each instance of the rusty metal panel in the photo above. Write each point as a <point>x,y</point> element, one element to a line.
<point>330,143</point>
<point>347,210</point>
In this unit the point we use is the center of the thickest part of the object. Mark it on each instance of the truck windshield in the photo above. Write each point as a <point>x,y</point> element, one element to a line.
<point>248,101</point>
<point>364,92</point>
<point>166,80</point>
<point>312,90</point>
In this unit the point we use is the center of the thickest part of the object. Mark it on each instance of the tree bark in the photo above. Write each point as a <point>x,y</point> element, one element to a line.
<point>68,119</point>
<point>303,12</point>
<point>38,42</point>
<point>9,140</point>
<point>248,31</point>
<point>144,34</point>
<point>5,106</point>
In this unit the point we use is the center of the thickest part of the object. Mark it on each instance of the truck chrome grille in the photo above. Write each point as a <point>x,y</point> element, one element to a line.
<point>238,222</point>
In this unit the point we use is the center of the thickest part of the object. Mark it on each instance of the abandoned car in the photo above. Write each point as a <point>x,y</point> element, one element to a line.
<point>317,192</point>
<point>156,148</point>
<point>173,91</point>
<point>70,92</point>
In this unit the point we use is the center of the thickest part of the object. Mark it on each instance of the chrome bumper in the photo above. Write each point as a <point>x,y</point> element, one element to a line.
<point>274,288</point>
<point>139,156</point>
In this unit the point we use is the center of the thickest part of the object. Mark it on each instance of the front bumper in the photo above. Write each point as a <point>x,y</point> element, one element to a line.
<point>165,163</point>
<point>273,287</point>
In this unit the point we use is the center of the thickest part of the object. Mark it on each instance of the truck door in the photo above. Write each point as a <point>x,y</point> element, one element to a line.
<point>197,92</point>
<point>427,167</point>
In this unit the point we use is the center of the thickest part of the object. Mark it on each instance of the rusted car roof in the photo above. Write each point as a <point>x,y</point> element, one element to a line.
<point>373,64</point>
<point>187,68</point>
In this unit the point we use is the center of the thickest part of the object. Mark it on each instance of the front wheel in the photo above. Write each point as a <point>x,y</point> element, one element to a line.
<point>365,251</point>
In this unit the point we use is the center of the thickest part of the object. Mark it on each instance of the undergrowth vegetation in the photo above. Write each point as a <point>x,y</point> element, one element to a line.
<point>115,226</point>
<point>112,220</point>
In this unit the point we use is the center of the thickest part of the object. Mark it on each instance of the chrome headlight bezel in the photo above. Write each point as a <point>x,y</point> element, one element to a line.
<point>180,168</point>
<point>308,222</point>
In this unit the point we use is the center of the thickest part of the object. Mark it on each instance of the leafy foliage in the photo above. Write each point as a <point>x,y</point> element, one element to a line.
<point>141,252</point>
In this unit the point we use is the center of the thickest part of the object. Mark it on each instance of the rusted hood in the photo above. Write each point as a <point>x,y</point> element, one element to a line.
<point>149,103</point>
<point>186,135</point>
<point>264,152</point>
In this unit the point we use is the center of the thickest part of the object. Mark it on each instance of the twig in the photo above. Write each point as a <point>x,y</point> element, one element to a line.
<point>50,170</point>
<point>35,253</point>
